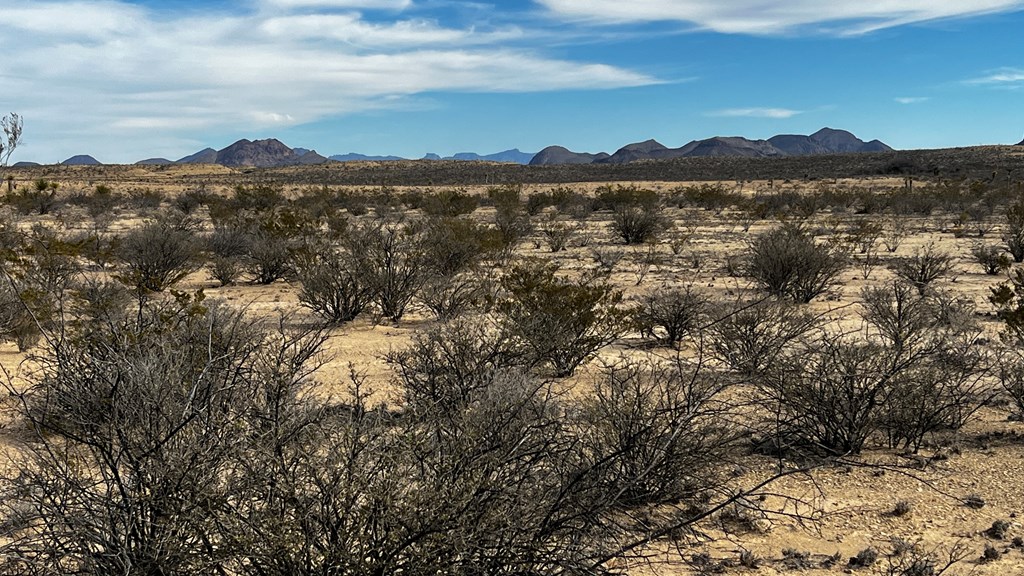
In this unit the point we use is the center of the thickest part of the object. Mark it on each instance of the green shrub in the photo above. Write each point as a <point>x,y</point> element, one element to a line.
<point>788,262</point>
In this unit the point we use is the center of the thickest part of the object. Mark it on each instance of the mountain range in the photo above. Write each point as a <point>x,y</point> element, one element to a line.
<point>824,141</point>
<point>271,152</point>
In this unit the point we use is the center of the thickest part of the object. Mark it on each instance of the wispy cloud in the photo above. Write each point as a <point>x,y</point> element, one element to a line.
<point>119,72</point>
<point>911,99</point>
<point>768,17</point>
<point>1000,76</point>
<point>755,113</point>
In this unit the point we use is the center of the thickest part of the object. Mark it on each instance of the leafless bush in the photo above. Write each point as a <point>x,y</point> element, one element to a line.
<point>670,314</point>
<point>638,224</point>
<point>924,267</point>
<point>157,255</point>
<point>396,266</point>
<point>663,427</point>
<point>335,286</point>
<point>752,336</point>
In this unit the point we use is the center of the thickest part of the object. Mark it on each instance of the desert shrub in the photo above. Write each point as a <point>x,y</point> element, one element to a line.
<point>145,199</point>
<point>788,262</point>
<point>335,286</point>
<point>559,322</point>
<point>257,197</point>
<point>269,256</point>
<point>638,224</point>
<point>454,245</point>
<point>1010,372</point>
<point>447,364</point>
<point>750,337</point>
<point>156,256</point>
<point>450,296</point>
<point>557,234</point>
<point>613,198</point>
<point>40,198</point>
<point>448,203</point>
<point>190,200</point>
<point>396,264</point>
<point>907,375</point>
<point>991,258</point>
<point>864,234</point>
<point>1008,298</point>
<point>670,314</point>
<point>1014,234</point>
<point>156,415</point>
<point>607,258</point>
<point>511,220</point>
<point>664,425</point>
<point>228,246</point>
<point>924,267</point>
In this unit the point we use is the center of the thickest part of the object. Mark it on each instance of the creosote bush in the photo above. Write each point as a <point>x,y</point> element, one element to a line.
<point>560,322</point>
<point>788,262</point>
<point>157,255</point>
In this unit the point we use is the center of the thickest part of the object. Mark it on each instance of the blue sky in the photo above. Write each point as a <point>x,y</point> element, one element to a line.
<point>126,80</point>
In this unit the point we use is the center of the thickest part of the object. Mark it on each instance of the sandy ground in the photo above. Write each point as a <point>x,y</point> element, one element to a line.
<point>985,459</point>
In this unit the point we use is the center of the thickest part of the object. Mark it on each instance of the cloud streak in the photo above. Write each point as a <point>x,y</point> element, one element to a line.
<point>911,99</point>
<point>1000,77</point>
<point>118,72</point>
<point>773,17</point>
<point>776,113</point>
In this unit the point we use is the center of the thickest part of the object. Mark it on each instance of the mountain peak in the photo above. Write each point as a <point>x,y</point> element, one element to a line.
<point>81,160</point>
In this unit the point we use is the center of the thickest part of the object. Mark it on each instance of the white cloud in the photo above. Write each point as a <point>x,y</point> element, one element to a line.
<point>366,4</point>
<point>1001,76</point>
<point>778,16</point>
<point>352,29</point>
<point>116,73</point>
<point>755,113</point>
<point>911,99</point>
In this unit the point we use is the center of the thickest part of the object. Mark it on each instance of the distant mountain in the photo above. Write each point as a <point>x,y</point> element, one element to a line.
<point>301,151</point>
<point>514,156</point>
<point>646,150</point>
<point>204,156</point>
<point>430,156</point>
<point>154,162</point>
<point>1021,143</point>
<point>729,146</point>
<point>256,154</point>
<point>25,164</point>
<point>81,160</point>
<point>824,141</point>
<point>355,157</point>
<point>562,155</point>
<point>310,157</point>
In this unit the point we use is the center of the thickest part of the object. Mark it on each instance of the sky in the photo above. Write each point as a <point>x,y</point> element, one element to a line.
<point>126,80</point>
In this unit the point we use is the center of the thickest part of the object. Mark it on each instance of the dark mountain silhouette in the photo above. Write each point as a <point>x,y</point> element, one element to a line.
<point>204,156</point>
<point>824,141</point>
<point>514,156</point>
<point>81,160</point>
<point>310,157</point>
<point>431,156</point>
<point>24,164</point>
<point>729,146</point>
<point>354,157</point>
<point>301,151</point>
<point>258,154</point>
<point>1021,143</point>
<point>154,162</point>
<point>561,155</point>
<point>645,150</point>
